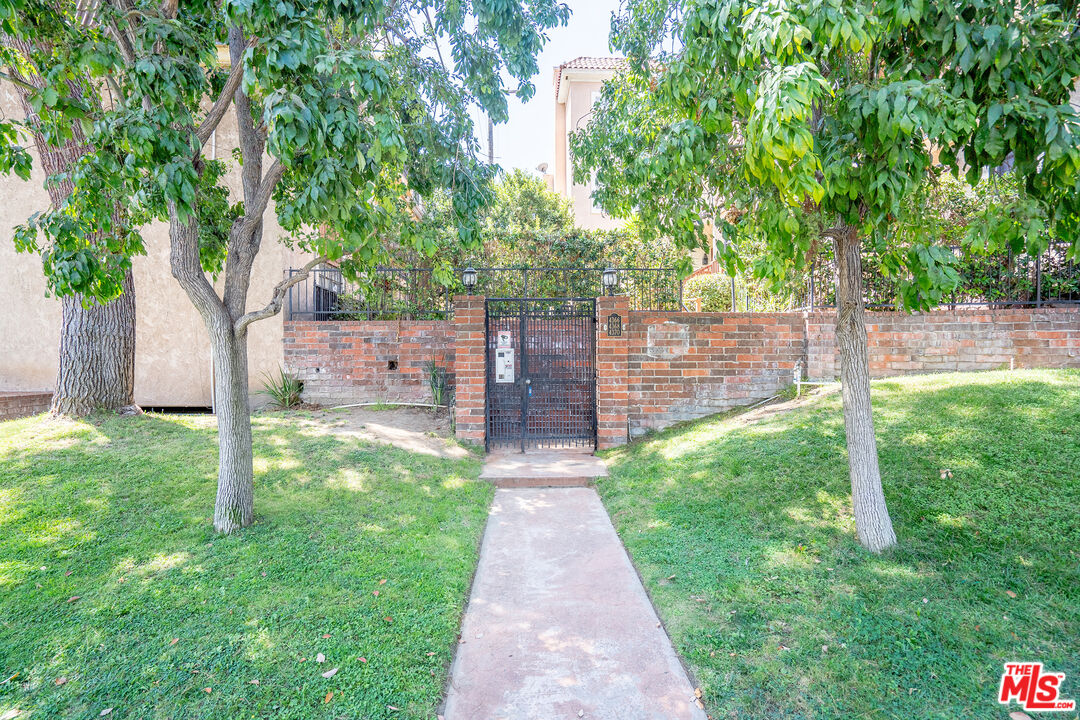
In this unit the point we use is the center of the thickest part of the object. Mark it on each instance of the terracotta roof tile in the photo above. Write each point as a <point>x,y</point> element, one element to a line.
<point>587,63</point>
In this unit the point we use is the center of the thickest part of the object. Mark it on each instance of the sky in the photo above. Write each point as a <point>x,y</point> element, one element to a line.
<point>528,138</point>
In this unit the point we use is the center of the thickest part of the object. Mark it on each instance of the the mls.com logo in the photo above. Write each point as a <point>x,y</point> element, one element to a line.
<point>1027,684</point>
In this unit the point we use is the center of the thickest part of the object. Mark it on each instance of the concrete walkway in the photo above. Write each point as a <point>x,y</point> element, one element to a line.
<point>558,624</point>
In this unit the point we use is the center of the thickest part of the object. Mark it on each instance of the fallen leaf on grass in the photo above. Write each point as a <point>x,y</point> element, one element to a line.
<point>105,712</point>
<point>330,673</point>
<point>329,697</point>
<point>1010,593</point>
<point>60,681</point>
<point>253,682</point>
<point>207,690</point>
<point>375,593</point>
<point>383,581</point>
<point>174,641</point>
<point>320,658</point>
<point>430,654</point>
<point>697,692</point>
<point>1017,715</point>
<point>73,598</point>
<point>392,707</point>
<point>326,637</point>
<point>363,659</point>
<point>388,619</point>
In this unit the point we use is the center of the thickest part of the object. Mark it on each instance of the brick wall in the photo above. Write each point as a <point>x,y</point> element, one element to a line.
<point>952,340</point>
<point>364,361</point>
<point>612,373</point>
<point>686,365</point>
<point>21,404</point>
<point>469,367</point>
<point>668,367</point>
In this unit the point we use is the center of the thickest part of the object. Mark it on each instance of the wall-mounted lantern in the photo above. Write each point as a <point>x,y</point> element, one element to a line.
<point>468,278</point>
<point>609,279</point>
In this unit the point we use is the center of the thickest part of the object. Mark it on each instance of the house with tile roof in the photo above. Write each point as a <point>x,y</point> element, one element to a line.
<point>577,86</point>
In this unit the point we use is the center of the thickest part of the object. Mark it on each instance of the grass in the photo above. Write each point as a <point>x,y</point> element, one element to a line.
<point>173,621</point>
<point>744,537</point>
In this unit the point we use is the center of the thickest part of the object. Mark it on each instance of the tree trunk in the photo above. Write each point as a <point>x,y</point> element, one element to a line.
<point>234,507</point>
<point>872,523</point>
<point>97,355</point>
<point>97,342</point>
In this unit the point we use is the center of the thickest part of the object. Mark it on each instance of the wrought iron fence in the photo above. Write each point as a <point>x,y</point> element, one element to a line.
<point>994,280</point>
<point>415,294</point>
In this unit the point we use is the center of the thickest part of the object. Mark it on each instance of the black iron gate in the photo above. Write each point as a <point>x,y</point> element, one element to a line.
<point>541,377</point>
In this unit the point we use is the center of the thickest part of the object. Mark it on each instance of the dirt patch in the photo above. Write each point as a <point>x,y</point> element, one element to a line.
<point>413,429</point>
<point>810,394</point>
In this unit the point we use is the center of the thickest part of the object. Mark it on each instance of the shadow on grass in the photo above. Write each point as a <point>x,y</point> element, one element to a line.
<point>745,539</point>
<point>116,512</point>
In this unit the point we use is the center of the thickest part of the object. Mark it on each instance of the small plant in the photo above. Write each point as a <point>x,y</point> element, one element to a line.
<point>283,389</point>
<point>438,383</point>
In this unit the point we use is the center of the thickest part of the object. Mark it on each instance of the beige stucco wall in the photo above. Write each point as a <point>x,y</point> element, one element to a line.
<point>571,115</point>
<point>172,357</point>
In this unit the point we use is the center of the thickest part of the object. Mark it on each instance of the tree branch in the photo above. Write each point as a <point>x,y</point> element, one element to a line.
<point>221,105</point>
<point>15,80</point>
<point>274,306</point>
<point>253,212</point>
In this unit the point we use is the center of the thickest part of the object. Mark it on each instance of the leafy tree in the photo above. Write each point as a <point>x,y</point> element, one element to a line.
<point>523,205</point>
<point>815,122</point>
<point>347,118</point>
<point>96,364</point>
<point>528,225</point>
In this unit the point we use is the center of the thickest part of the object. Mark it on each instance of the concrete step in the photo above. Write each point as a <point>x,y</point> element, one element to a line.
<point>542,468</point>
<point>531,482</point>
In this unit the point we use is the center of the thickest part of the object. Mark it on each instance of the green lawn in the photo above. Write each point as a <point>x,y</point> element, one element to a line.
<point>744,537</point>
<point>358,551</point>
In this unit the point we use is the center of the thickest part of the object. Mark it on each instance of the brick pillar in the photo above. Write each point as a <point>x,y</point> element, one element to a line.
<point>469,367</point>
<point>612,393</point>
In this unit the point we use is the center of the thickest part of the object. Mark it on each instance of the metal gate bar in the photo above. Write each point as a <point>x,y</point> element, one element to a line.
<point>550,400</point>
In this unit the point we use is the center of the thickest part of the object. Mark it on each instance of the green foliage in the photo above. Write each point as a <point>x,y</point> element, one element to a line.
<point>438,382</point>
<point>13,157</point>
<point>353,100</point>
<point>789,123</point>
<point>523,205</point>
<point>713,293</point>
<point>114,511</point>
<point>751,560</point>
<point>529,225</point>
<point>708,293</point>
<point>283,389</point>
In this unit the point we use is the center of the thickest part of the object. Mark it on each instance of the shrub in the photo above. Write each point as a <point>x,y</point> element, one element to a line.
<point>440,391</point>
<point>707,293</point>
<point>284,390</point>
